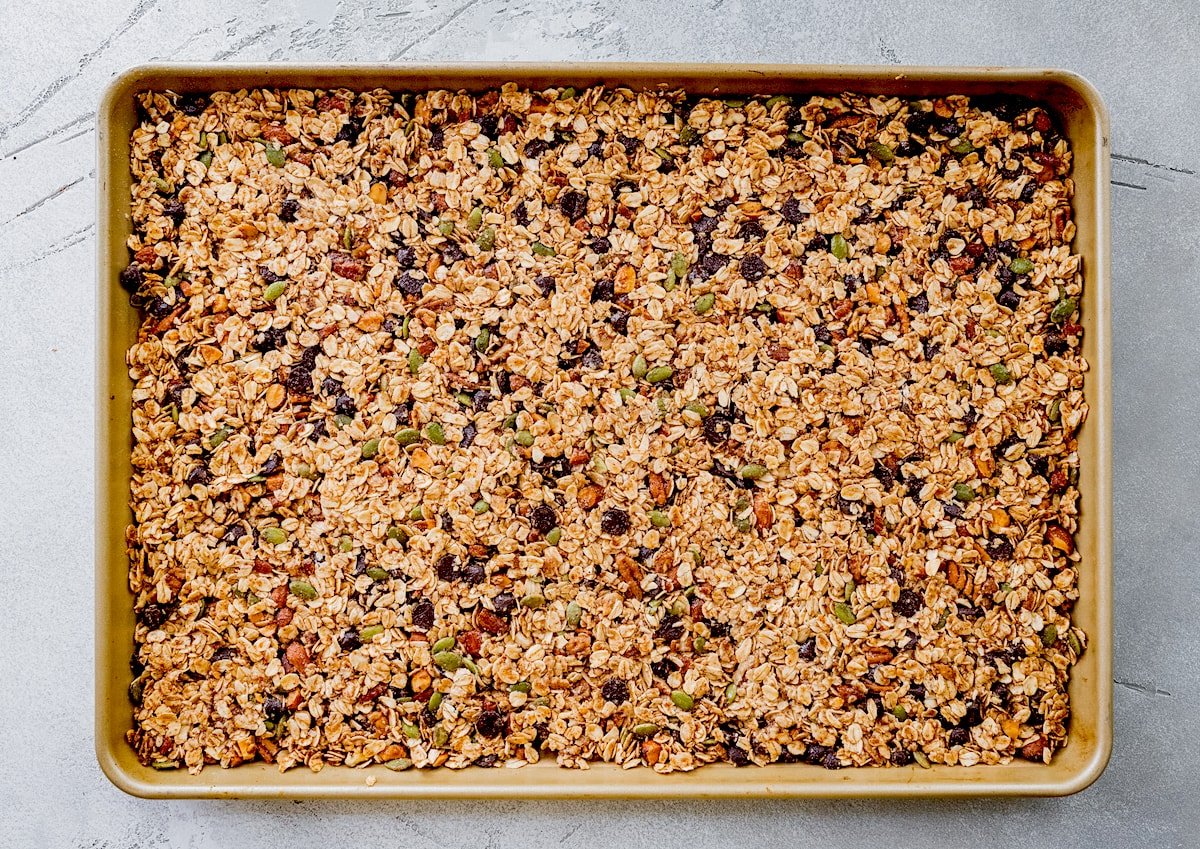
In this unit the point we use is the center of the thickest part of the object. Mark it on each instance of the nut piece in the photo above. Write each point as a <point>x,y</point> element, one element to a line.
<point>1060,539</point>
<point>589,496</point>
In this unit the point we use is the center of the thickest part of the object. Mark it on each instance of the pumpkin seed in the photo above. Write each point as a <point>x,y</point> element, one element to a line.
<point>398,533</point>
<point>276,155</point>
<point>410,730</point>
<point>521,687</point>
<point>205,158</point>
<point>475,219</point>
<point>679,265</point>
<point>922,761</point>
<point>660,519</point>
<point>698,644</point>
<point>772,102</point>
<point>416,514</point>
<point>626,394</point>
<point>1063,310</point>
<point>962,146</point>
<point>448,660</point>
<point>480,507</point>
<point>731,692</point>
<point>524,438</point>
<point>302,589</point>
<point>839,247</point>
<point>495,160</point>
<point>342,420</point>
<point>697,408</point>
<point>954,437</point>
<point>848,593</point>
<point>963,492</point>
<point>275,536</point>
<point>640,367</point>
<point>645,729</point>
<point>554,535</point>
<point>347,237</point>
<point>407,436</point>
<point>543,250</point>
<point>370,449</point>
<point>752,472</point>
<point>1020,265</point>
<point>346,545</point>
<point>1000,373</point>
<point>659,373</point>
<point>704,303</point>
<point>882,152</point>
<point>567,93</point>
<point>444,644</point>
<point>440,737</point>
<point>463,398</point>
<point>404,327</point>
<point>399,764</point>
<point>682,700</point>
<point>415,360</point>
<point>446,228</point>
<point>797,137</point>
<point>1074,642</point>
<point>218,436</point>
<point>470,666</point>
<point>370,632</point>
<point>1049,635</point>
<point>688,135</point>
<point>163,186</point>
<point>483,340</point>
<point>435,433</point>
<point>845,613</point>
<point>533,601</point>
<point>1054,414</point>
<point>900,713</point>
<point>574,614</point>
<point>486,240</point>
<point>303,470</point>
<point>375,573</point>
<point>161,764</point>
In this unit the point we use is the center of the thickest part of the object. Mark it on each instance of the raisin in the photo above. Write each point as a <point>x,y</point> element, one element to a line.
<point>1000,549</point>
<point>791,211</point>
<point>601,245</point>
<point>504,603</point>
<point>669,630</point>
<point>343,405</point>
<point>492,724</point>
<point>614,521</point>
<point>901,757</point>
<point>616,691</point>
<point>270,339</point>
<point>473,573</point>
<point>1008,299</point>
<point>132,277</point>
<point>807,649</point>
<point>663,668</point>
<point>543,518</point>
<point>273,708</point>
<point>602,290</point>
<point>959,736</point>
<point>753,268</point>
<point>908,604</point>
<point>288,209</point>
<point>422,615</point>
<point>573,204</point>
<point>751,230</point>
<point>710,263</point>
<point>175,210</point>
<point>468,435</point>
<point>410,285</point>
<point>406,257</point>
<point>154,614</point>
<point>447,568</point>
<point>192,104</point>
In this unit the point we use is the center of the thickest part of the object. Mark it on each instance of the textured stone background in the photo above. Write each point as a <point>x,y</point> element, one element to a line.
<point>55,58</point>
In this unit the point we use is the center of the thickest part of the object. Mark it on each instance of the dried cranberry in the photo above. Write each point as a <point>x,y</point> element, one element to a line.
<point>616,691</point>
<point>614,521</point>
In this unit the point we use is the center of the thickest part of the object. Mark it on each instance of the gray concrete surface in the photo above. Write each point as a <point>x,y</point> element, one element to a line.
<point>55,57</point>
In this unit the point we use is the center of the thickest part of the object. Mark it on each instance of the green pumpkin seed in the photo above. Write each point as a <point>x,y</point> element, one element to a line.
<point>415,360</point>
<point>1000,373</point>
<point>377,574</point>
<point>900,713</point>
<point>521,687</point>
<point>463,398</point>
<point>626,394</point>
<point>302,589</point>
<point>640,367</point>
<point>645,729</point>
<point>486,240</point>
<point>731,692</point>
<point>679,265</point>
<point>137,689</point>
<point>342,420</point>
<point>347,237</point>
<point>543,250</point>
<point>483,340</point>
<point>524,438</point>
<point>480,507</point>
<point>671,282</point>
<point>404,327</point>
<point>752,472</point>
<point>954,437</point>
<point>398,533</point>
<point>346,545</point>
<point>444,644</point>
<point>274,536</point>
<point>276,155</point>
<point>1074,642</point>
<point>446,228</point>
<point>962,146</point>
<point>742,523</point>
<point>163,186</point>
<point>1063,310</point>
<point>218,436</point>
<point>448,660</point>
<point>776,100</point>
<point>495,160</point>
<point>475,219</point>
<point>688,135</point>
<point>435,433</point>
<point>370,632</point>
<point>574,614</point>
<point>410,730</point>
<point>849,591</point>
<point>839,247</point>
<point>1054,414</point>
<point>303,470</point>
<point>440,737</point>
<point>698,644</point>
<point>1020,265</point>
<point>659,373</point>
<point>663,154</point>
<point>844,612</point>
<point>797,137</point>
<point>533,601</point>
<point>567,93</point>
<point>554,536</point>
<point>922,761</point>
<point>163,764</point>
<point>416,514</point>
<point>882,152</point>
<point>510,422</point>
<point>697,408</point>
<point>660,519</point>
<point>370,449</point>
<point>1049,635</point>
<point>963,492</point>
<point>682,700</point>
<point>399,764</point>
<point>205,158</point>
<point>407,436</point>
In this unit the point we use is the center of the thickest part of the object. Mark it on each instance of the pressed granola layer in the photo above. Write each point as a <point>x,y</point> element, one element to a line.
<point>607,425</point>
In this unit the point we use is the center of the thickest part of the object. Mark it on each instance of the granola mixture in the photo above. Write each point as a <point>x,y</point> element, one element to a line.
<point>606,425</point>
